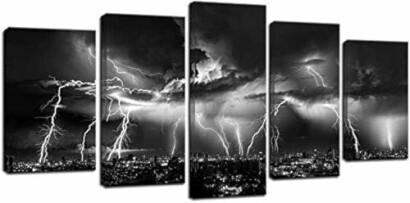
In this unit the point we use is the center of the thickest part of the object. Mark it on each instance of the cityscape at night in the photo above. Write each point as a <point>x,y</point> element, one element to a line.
<point>375,153</point>
<point>222,176</point>
<point>141,170</point>
<point>51,165</point>
<point>305,164</point>
<point>49,100</point>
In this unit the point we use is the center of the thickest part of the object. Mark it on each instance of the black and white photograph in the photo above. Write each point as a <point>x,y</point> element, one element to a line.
<point>49,100</point>
<point>304,100</point>
<point>375,100</point>
<point>142,100</point>
<point>227,100</point>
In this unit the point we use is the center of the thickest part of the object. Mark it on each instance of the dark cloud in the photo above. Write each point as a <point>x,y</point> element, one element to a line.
<point>375,67</point>
<point>218,86</point>
<point>313,62</point>
<point>375,89</point>
<point>153,44</point>
<point>234,33</point>
<point>196,55</point>
<point>38,53</point>
<point>24,99</point>
<point>378,90</point>
<point>305,72</point>
<point>256,96</point>
<point>86,38</point>
<point>310,96</point>
<point>294,45</point>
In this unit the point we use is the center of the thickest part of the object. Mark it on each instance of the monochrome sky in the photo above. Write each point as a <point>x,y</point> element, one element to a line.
<point>31,57</point>
<point>304,66</point>
<point>146,53</point>
<point>375,85</point>
<point>227,77</point>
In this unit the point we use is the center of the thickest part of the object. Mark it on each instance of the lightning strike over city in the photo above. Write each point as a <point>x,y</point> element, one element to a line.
<point>227,86</point>
<point>389,135</point>
<point>90,126</point>
<point>305,114</point>
<point>143,100</point>
<point>238,134</point>
<point>353,131</point>
<point>375,89</point>
<point>174,135</point>
<point>221,137</point>
<point>275,130</point>
<point>260,130</point>
<point>58,92</point>
<point>52,129</point>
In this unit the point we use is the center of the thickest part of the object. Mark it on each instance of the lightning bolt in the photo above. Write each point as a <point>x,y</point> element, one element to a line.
<point>198,119</point>
<point>349,124</point>
<point>319,82</point>
<point>163,118</point>
<point>238,134</point>
<point>174,135</point>
<point>389,135</point>
<point>84,138</point>
<point>334,108</point>
<point>122,138</point>
<point>110,113</point>
<point>276,133</point>
<point>277,107</point>
<point>274,139</point>
<point>118,66</point>
<point>51,129</point>
<point>255,134</point>
<point>116,83</point>
<point>353,131</point>
<point>223,131</point>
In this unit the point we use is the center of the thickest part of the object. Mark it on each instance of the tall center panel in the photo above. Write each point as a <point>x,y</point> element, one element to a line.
<point>227,100</point>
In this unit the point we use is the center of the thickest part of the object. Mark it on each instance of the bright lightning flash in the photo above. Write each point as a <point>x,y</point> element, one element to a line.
<point>52,129</point>
<point>90,126</point>
<point>318,78</point>
<point>221,138</point>
<point>174,138</point>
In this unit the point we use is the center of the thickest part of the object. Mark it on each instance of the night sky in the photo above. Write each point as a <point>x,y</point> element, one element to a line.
<point>31,56</point>
<point>227,77</point>
<point>304,64</point>
<point>375,88</point>
<point>148,56</point>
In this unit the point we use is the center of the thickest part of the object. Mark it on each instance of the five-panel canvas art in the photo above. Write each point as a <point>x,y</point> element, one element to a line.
<point>50,91</point>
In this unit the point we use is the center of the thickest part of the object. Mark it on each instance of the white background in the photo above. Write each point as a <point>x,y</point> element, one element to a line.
<point>384,181</point>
